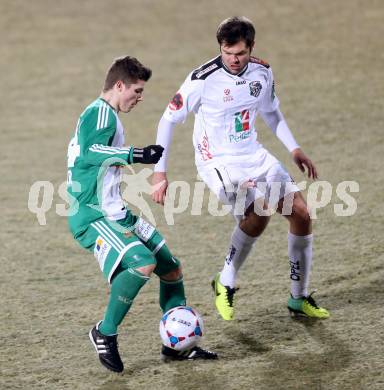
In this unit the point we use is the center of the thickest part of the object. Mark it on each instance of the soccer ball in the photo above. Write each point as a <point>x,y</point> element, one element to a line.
<point>181,328</point>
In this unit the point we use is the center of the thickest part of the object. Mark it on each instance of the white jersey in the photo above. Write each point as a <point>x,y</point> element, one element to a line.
<point>225,108</point>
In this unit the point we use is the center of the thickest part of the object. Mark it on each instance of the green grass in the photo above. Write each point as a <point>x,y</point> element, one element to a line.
<point>327,59</point>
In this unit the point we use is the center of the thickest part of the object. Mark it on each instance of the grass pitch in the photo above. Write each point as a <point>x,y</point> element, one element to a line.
<point>327,61</point>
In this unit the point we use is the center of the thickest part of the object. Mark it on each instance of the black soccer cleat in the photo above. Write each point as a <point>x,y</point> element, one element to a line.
<point>106,348</point>
<point>168,354</point>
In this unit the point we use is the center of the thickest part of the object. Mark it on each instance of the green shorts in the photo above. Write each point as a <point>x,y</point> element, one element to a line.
<point>121,244</point>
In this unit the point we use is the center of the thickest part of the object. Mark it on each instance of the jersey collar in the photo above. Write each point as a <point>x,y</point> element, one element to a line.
<point>113,108</point>
<point>228,71</point>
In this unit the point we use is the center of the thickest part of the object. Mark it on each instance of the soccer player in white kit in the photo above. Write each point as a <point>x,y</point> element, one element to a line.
<point>226,94</point>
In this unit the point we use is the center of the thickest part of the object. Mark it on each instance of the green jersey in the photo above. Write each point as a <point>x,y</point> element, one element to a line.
<point>95,157</point>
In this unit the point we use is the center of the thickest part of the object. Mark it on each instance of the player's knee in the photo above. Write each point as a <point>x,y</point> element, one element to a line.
<point>147,269</point>
<point>301,215</point>
<point>175,274</point>
<point>254,224</point>
<point>143,262</point>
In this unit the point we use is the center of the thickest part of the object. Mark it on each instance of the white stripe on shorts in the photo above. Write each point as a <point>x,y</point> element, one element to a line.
<point>107,240</point>
<point>102,234</point>
<point>115,241</point>
<point>112,233</point>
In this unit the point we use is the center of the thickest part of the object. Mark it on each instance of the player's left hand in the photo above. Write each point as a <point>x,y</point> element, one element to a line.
<point>149,155</point>
<point>302,161</point>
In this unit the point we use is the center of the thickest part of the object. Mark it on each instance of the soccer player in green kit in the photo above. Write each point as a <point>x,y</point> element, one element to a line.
<point>127,248</point>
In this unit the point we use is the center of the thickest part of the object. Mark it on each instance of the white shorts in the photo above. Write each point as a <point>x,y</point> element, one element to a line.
<point>261,181</point>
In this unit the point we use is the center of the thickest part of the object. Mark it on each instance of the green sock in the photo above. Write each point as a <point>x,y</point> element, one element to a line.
<point>171,294</point>
<point>125,287</point>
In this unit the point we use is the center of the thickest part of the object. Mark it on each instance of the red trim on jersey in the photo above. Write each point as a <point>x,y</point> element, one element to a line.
<point>256,60</point>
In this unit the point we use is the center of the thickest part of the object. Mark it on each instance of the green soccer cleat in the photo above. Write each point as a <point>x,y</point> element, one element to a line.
<point>224,298</point>
<point>306,307</point>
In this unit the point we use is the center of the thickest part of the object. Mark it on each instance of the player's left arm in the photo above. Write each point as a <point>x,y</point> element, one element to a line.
<point>302,161</point>
<point>274,119</point>
<point>276,122</point>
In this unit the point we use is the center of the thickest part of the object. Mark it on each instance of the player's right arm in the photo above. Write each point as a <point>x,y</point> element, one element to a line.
<point>187,99</point>
<point>159,178</point>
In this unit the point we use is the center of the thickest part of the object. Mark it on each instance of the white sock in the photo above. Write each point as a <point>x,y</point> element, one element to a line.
<point>300,260</point>
<point>241,245</point>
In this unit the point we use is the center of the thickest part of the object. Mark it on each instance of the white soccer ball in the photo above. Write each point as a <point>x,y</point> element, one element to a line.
<point>181,328</point>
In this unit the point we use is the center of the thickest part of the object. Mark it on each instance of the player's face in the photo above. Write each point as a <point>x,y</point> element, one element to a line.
<point>235,57</point>
<point>130,95</point>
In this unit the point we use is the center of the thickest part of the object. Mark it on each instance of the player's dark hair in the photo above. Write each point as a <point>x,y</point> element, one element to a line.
<point>234,30</point>
<point>127,69</point>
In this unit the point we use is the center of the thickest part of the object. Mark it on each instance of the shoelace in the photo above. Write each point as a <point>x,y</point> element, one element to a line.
<point>230,294</point>
<point>111,345</point>
<point>199,351</point>
<point>311,301</point>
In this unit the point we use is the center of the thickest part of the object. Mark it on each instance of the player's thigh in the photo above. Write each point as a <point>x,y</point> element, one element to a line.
<point>219,182</point>
<point>115,248</point>
<point>225,181</point>
<point>268,183</point>
<point>279,188</point>
<point>154,243</point>
<point>157,246</point>
<point>298,209</point>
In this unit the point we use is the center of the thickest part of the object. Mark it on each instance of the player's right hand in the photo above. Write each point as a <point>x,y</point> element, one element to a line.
<point>159,185</point>
<point>149,155</point>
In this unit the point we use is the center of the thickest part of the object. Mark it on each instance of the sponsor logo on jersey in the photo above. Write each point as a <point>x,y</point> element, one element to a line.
<point>241,125</point>
<point>239,137</point>
<point>241,82</point>
<point>177,102</point>
<point>206,70</point>
<point>101,251</point>
<point>227,97</point>
<point>255,88</point>
<point>242,121</point>
<point>204,149</point>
